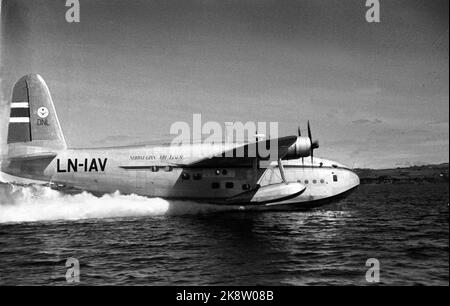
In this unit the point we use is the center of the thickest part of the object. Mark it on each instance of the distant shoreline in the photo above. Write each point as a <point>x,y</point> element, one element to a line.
<point>415,174</point>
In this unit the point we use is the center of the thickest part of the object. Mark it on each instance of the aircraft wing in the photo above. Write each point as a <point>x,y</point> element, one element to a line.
<point>239,156</point>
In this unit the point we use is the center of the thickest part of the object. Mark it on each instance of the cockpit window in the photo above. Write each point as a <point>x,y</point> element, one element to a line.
<point>246,187</point>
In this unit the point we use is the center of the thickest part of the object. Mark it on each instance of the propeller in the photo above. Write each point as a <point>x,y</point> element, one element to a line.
<point>314,144</point>
<point>300,135</point>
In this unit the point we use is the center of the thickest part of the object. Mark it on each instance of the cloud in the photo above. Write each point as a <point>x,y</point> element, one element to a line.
<point>367,121</point>
<point>115,139</point>
<point>439,123</point>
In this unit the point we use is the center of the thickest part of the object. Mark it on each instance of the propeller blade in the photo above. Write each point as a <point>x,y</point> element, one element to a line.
<point>310,139</point>
<point>309,132</point>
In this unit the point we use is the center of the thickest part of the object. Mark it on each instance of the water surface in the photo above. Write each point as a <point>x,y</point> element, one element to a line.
<point>129,240</point>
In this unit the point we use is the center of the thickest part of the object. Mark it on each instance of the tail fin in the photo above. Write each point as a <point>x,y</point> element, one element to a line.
<point>33,120</point>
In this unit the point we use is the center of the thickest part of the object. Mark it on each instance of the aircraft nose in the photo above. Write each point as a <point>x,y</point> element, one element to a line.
<point>353,179</point>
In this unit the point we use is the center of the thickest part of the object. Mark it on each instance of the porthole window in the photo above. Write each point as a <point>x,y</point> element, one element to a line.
<point>224,172</point>
<point>245,187</point>
<point>185,176</point>
<point>215,185</point>
<point>154,169</point>
<point>335,178</point>
<point>322,181</point>
<point>229,185</point>
<point>217,171</point>
<point>306,181</point>
<point>314,181</point>
<point>168,168</point>
<point>197,176</point>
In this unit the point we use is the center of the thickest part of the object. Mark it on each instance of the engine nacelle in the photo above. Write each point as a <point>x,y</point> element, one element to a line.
<point>301,148</point>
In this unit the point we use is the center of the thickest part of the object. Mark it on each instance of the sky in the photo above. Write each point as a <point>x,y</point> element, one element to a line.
<point>377,94</point>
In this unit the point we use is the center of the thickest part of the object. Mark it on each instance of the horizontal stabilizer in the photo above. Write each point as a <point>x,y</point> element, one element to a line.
<point>34,156</point>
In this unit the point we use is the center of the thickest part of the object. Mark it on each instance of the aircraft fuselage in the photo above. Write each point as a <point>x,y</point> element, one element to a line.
<point>155,172</point>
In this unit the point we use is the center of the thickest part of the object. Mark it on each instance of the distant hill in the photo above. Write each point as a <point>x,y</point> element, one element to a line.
<point>415,174</point>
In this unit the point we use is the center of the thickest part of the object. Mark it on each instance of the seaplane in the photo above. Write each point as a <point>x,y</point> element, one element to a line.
<point>219,174</point>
